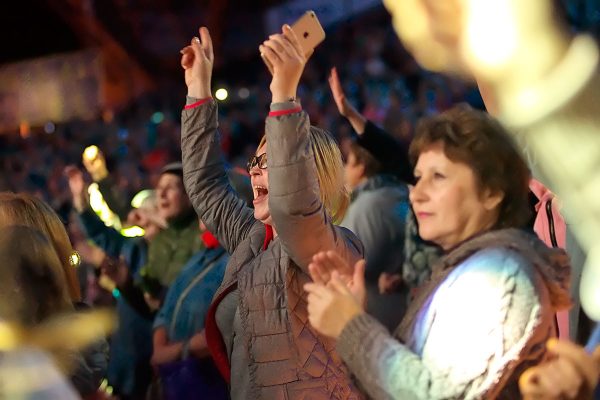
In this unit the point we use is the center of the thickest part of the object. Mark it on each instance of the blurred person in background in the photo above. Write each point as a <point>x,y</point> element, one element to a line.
<point>129,371</point>
<point>180,350</point>
<point>94,162</point>
<point>34,290</point>
<point>378,209</point>
<point>25,209</point>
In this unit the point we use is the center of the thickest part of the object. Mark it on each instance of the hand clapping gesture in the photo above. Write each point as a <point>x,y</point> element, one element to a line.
<point>337,294</point>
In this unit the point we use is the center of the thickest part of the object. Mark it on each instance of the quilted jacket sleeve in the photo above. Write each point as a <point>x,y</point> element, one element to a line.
<point>486,314</point>
<point>215,201</point>
<point>298,215</point>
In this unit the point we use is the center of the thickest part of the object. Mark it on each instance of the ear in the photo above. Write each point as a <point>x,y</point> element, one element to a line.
<point>491,200</point>
<point>362,169</point>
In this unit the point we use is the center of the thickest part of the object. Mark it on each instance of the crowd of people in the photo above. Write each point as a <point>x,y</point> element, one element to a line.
<point>294,247</point>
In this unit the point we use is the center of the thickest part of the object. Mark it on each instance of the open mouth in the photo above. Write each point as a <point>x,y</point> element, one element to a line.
<point>260,193</point>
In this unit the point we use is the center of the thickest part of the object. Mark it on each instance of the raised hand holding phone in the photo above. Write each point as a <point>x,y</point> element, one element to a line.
<point>309,33</point>
<point>284,52</point>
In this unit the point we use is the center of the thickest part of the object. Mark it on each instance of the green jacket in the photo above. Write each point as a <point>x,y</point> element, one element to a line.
<point>171,249</point>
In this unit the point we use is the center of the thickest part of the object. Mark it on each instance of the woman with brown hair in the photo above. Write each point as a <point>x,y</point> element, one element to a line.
<point>27,210</point>
<point>32,283</point>
<point>257,328</point>
<point>489,306</point>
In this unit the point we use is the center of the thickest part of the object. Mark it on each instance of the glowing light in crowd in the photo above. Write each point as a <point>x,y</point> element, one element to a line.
<point>116,293</point>
<point>8,336</point>
<point>101,208</point>
<point>158,117</point>
<point>49,127</point>
<point>132,231</point>
<point>139,198</point>
<point>91,152</point>
<point>75,259</point>
<point>221,94</point>
<point>243,93</point>
<point>24,129</point>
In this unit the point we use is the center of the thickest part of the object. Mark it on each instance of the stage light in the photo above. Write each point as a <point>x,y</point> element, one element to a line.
<point>91,152</point>
<point>158,117</point>
<point>49,127</point>
<point>221,94</point>
<point>243,93</point>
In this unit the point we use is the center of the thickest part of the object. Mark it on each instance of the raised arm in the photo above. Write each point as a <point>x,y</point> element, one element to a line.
<point>392,154</point>
<point>299,216</point>
<point>204,176</point>
<point>107,238</point>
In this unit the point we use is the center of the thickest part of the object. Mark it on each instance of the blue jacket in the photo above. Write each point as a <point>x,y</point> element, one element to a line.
<point>189,296</point>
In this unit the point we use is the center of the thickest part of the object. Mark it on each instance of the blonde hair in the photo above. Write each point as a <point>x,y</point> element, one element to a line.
<point>27,210</point>
<point>330,172</point>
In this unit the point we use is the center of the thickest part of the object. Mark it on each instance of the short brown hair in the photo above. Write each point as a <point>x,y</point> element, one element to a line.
<point>366,159</point>
<point>476,139</point>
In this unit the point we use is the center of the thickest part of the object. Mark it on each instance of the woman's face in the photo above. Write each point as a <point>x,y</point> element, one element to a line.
<point>447,202</point>
<point>260,187</point>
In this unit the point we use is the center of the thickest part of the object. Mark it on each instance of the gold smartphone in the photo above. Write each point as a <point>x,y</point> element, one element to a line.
<point>309,31</point>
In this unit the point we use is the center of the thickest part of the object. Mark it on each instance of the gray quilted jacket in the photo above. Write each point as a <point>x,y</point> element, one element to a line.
<point>288,360</point>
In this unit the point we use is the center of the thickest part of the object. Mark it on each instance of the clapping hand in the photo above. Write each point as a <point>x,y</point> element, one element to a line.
<point>334,299</point>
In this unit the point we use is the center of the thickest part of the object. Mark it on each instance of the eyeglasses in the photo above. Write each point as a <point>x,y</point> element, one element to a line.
<point>260,161</point>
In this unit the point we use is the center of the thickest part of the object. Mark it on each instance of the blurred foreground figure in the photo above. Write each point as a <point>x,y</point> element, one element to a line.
<point>548,95</point>
<point>28,374</point>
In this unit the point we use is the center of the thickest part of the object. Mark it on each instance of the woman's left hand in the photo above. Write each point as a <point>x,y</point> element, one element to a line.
<point>284,53</point>
<point>332,306</point>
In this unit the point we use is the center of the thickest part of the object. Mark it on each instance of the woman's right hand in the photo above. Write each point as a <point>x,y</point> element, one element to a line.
<point>197,60</point>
